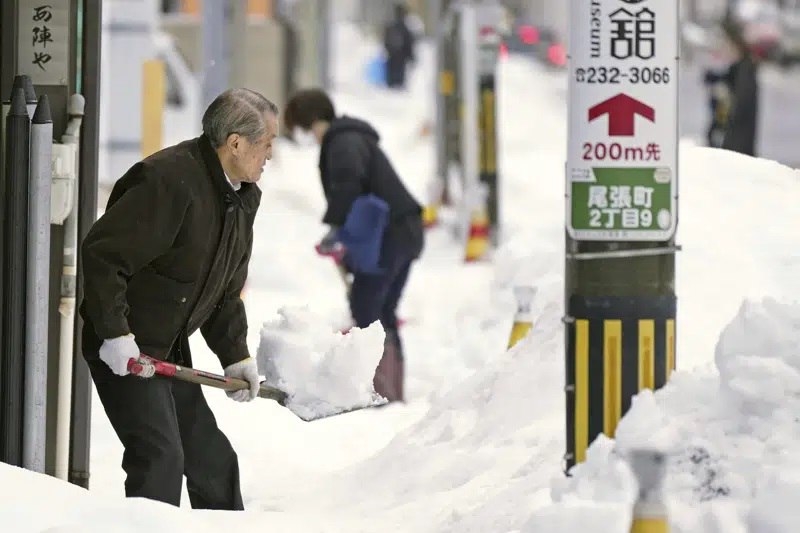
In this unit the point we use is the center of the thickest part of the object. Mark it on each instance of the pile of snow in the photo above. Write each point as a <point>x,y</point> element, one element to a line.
<point>322,371</point>
<point>34,503</point>
<point>738,224</point>
<point>479,459</point>
<point>729,437</point>
<point>479,444</point>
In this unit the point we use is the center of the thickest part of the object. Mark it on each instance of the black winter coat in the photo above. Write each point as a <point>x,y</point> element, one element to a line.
<point>740,134</point>
<point>170,255</point>
<point>398,41</point>
<point>351,163</point>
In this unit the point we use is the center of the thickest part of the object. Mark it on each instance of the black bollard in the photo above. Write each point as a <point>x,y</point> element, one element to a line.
<point>25,83</point>
<point>15,230</point>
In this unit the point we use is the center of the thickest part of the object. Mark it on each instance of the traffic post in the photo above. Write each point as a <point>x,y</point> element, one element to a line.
<point>621,210</point>
<point>488,56</point>
<point>446,106</point>
<point>479,38</point>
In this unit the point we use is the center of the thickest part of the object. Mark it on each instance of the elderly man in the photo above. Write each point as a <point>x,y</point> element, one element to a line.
<point>170,256</point>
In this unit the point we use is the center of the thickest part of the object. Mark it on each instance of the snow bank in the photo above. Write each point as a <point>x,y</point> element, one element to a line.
<point>483,453</point>
<point>729,436</point>
<point>322,371</point>
<point>738,224</point>
<point>31,502</point>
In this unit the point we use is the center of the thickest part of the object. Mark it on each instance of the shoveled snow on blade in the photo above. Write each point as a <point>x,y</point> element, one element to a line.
<point>322,371</point>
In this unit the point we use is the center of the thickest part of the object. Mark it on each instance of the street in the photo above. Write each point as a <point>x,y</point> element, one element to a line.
<point>779,113</point>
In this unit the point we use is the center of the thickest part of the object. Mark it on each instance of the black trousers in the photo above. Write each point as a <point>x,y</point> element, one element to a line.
<point>169,431</point>
<point>377,296</point>
<point>396,72</point>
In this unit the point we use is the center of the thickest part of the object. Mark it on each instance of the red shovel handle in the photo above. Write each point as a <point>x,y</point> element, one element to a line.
<point>146,367</point>
<point>143,365</point>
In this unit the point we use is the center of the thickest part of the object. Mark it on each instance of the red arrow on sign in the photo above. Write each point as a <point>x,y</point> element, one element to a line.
<point>621,110</point>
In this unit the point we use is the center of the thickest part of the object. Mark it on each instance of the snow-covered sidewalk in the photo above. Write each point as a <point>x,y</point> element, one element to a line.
<point>478,447</point>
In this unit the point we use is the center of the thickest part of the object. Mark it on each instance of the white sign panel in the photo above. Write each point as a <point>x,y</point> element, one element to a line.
<point>623,120</point>
<point>44,44</point>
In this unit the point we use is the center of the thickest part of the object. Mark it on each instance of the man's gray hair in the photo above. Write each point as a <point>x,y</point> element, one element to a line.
<point>237,111</point>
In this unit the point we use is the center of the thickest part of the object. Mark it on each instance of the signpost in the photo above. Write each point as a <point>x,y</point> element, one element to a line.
<point>623,114</point>
<point>621,210</point>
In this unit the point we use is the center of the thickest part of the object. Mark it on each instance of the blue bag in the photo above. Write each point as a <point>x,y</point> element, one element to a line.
<point>375,71</point>
<point>362,234</point>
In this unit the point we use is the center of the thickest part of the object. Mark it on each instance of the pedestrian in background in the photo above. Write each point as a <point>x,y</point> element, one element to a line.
<point>353,167</point>
<point>742,80</point>
<point>398,43</point>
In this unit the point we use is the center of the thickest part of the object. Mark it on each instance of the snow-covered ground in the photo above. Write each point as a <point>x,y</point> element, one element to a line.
<point>478,446</point>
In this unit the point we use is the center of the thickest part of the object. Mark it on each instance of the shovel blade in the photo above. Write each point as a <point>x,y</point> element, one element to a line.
<point>310,415</point>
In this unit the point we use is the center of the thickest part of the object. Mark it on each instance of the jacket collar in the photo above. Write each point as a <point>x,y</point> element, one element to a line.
<point>247,197</point>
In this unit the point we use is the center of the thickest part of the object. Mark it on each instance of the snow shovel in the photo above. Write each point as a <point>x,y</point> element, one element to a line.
<point>147,367</point>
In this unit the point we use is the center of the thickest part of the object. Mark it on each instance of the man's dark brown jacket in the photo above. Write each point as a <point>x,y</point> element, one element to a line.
<point>170,255</point>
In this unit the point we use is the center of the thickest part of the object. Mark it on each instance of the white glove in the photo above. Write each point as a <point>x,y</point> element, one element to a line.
<point>246,369</point>
<point>118,351</point>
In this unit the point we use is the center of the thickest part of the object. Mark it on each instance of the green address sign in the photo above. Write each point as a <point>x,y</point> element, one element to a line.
<point>623,203</point>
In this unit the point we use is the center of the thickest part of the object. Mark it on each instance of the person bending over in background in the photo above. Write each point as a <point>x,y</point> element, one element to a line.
<point>353,166</point>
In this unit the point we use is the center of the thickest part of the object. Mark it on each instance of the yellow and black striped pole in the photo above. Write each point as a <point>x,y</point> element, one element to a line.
<point>649,511</point>
<point>616,347</point>
<point>487,132</point>
<point>621,220</point>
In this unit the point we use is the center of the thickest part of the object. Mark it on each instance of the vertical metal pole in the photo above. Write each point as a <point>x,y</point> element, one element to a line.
<point>67,304</point>
<point>38,285</point>
<point>14,259</point>
<point>621,180</point>
<point>488,43</point>
<point>468,78</point>
<point>452,101</point>
<point>237,43</point>
<point>215,63</point>
<point>325,43</point>
<point>442,86</point>
<point>87,204</point>
<point>8,48</point>
<point>306,16</point>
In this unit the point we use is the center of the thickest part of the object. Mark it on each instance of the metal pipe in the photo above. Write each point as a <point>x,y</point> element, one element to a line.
<point>14,258</point>
<point>214,48</point>
<point>324,43</point>
<point>468,81</point>
<point>81,426</point>
<point>66,307</point>
<point>38,294</point>
<point>237,40</point>
<point>440,34</point>
<point>469,92</point>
